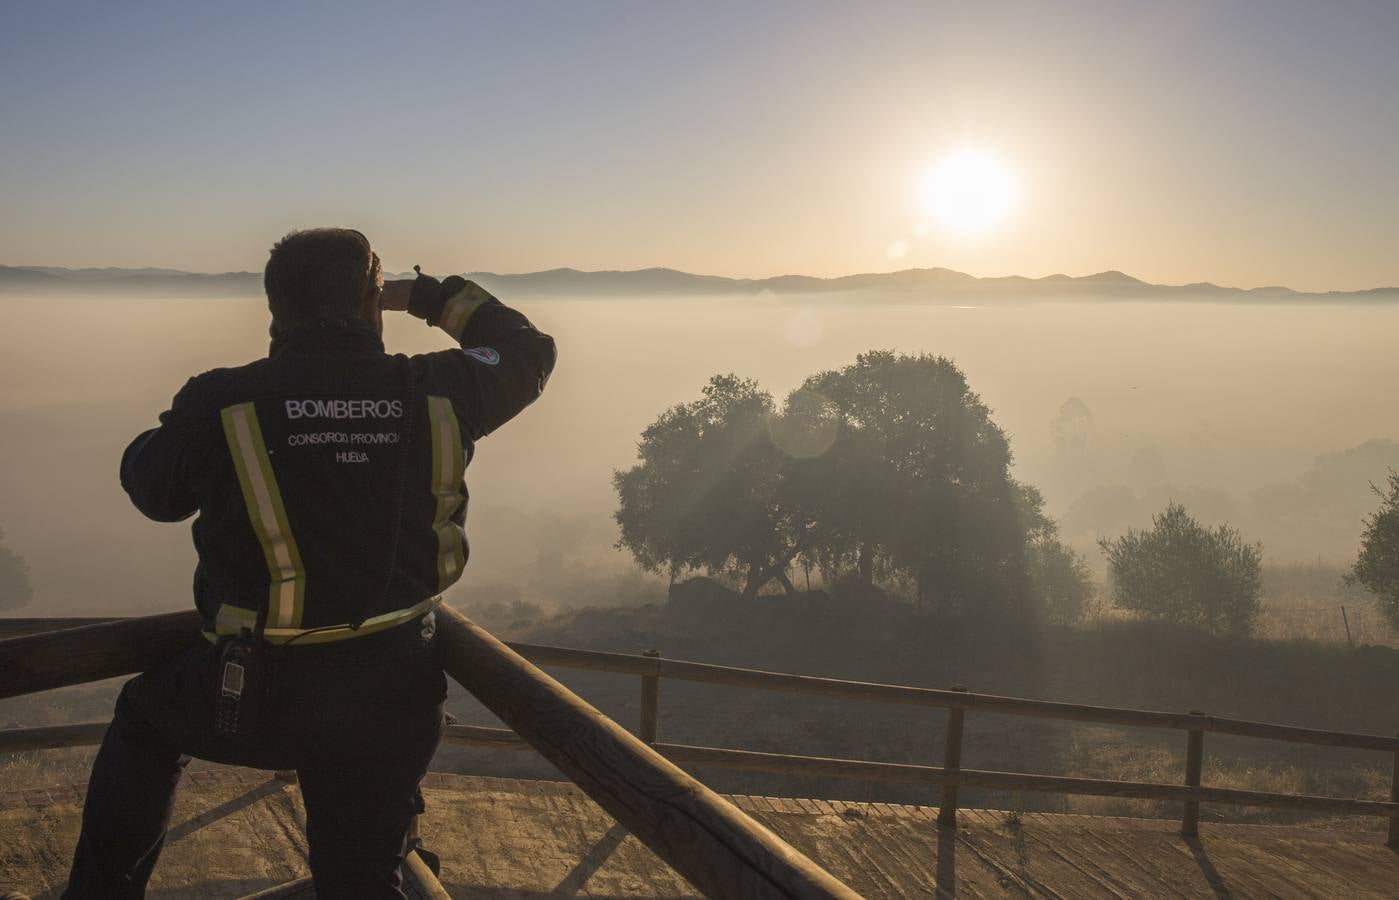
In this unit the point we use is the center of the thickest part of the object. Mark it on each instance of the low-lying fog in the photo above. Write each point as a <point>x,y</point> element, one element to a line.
<point>1274,417</point>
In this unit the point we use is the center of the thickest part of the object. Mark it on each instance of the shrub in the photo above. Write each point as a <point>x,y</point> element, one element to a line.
<point>1378,566</point>
<point>1063,586</point>
<point>1180,571</point>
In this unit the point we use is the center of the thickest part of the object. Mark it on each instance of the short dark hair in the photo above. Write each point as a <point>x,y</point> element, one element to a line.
<point>320,273</point>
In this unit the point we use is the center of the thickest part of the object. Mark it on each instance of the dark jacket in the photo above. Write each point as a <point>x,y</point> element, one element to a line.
<point>313,468</point>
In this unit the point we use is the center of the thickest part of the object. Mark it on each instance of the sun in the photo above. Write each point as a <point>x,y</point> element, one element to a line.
<point>969,192</point>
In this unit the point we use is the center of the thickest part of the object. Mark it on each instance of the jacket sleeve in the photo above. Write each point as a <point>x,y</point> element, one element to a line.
<point>504,361</point>
<point>155,469</point>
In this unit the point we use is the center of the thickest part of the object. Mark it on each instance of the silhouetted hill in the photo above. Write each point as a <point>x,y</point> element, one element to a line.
<point>661,282</point>
<point>106,272</point>
<point>129,282</point>
<point>613,283</point>
<point>27,278</point>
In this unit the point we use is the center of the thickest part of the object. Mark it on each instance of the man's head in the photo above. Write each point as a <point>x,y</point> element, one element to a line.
<point>323,273</point>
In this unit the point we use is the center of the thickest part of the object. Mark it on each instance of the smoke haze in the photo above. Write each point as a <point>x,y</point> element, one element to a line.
<point>1268,416</point>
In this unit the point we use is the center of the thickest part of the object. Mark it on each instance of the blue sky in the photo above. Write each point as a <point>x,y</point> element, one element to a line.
<point>1244,143</point>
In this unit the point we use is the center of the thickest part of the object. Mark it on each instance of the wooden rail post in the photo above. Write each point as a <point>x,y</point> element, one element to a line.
<point>1194,763</point>
<point>650,701</point>
<point>1393,842</point>
<point>720,850</point>
<point>41,662</point>
<point>952,762</point>
<point>419,873</point>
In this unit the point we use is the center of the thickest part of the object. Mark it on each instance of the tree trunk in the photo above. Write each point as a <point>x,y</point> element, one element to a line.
<point>754,582</point>
<point>759,576</point>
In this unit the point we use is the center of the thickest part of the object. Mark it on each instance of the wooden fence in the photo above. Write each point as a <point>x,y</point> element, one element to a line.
<point>719,849</point>
<point>958,703</point>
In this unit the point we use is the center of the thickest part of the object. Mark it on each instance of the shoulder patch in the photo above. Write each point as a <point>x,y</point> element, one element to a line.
<point>487,355</point>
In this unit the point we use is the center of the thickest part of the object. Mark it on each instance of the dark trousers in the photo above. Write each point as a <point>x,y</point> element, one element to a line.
<point>358,721</point>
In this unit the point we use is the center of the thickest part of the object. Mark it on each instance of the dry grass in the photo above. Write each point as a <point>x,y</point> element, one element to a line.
<point>1368,625</point>
<point>45,768</point>
<point>1099,755</point>
<point>1298,602</point>
<point>49,768</point>
<point>1289,619</point>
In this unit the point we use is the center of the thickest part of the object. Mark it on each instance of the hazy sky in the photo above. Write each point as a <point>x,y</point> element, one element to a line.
<point>1245,143</point>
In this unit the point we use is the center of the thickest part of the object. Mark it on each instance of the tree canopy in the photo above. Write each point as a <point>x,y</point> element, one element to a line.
<point>1377,567</point>
<point>1062,583</point>
<point>889,466</point>
<point>1180,571</point>
<point>926,471</point>
<point>705,494</point>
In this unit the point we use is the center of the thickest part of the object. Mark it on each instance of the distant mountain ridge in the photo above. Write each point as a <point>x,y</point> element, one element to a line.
<point>671,282</point>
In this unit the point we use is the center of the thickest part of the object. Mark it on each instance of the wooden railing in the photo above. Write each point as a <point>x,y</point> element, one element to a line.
<point>951,775</point>
<point>958,702</point>
<point>706,839</point>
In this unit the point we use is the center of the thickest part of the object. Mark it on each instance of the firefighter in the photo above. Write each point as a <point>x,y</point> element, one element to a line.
<point>327,479</point>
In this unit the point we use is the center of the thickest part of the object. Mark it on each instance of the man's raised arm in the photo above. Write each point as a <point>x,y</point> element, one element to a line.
<point>504,361</point>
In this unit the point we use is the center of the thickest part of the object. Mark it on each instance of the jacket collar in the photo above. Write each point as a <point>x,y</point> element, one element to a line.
<point>327,336</point>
